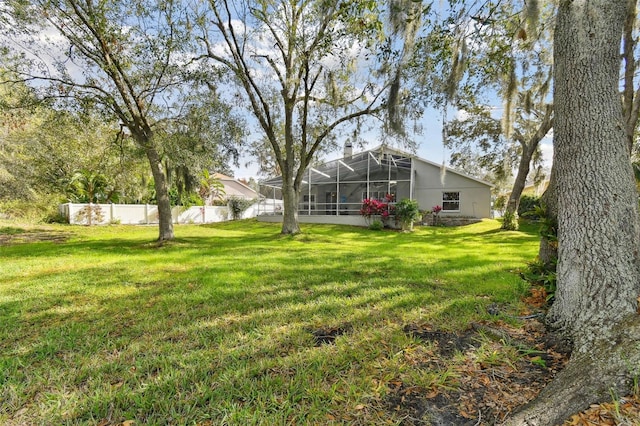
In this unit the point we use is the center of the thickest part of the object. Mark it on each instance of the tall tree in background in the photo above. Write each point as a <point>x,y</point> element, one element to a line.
<point>480,148</point>
<point>14,120</point>
<point>512,57</point>
<point>44,155</point>
<point>597,209</point>
<point>116,55</point>
<point>528,111</point>
<point>307,69</point>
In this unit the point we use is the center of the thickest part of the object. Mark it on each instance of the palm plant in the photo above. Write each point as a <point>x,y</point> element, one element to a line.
<point>87,186</point>
<point>210,186</point>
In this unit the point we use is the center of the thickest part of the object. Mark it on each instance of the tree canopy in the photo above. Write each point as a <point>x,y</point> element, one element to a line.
<point>125,60</point>
<point>306,70</point>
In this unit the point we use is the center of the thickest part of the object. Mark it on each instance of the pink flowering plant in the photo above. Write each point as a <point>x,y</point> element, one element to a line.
<point>435,211</point>
<point>372,208</point>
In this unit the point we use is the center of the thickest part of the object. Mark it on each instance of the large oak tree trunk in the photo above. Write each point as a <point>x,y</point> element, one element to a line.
<point>597,201</point>
<point>162,194</point>
<point>598,278</point>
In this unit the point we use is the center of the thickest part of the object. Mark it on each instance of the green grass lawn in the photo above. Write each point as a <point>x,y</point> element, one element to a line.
<point>100,326</point>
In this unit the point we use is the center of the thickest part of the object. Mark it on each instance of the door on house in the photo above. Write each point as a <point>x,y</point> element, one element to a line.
<point>331,201</point>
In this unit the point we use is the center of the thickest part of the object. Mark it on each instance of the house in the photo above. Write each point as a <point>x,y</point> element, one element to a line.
<point>230,188</point>
<point>534,189</point>
<point>333,192</point>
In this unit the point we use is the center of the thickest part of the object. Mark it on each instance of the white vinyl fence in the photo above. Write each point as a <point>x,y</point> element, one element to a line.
<point>144,214</point>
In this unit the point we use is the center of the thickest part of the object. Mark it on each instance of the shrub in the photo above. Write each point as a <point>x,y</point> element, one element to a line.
<point>55,217</point>
<point>41,208</point>
<point>435,211</point>
<point>544,273</point>
<point>510,221</point>
<point>376,225</point>
<point>541,274</point>
<point>407,211</point>
<point>527,206</point>
<point>237,206</point>
<point>372,208</point>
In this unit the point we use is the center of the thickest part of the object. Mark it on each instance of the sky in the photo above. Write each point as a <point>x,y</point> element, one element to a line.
<point>429,142</point>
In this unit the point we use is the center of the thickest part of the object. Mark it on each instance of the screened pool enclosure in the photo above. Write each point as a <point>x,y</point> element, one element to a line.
<point>339,187</point>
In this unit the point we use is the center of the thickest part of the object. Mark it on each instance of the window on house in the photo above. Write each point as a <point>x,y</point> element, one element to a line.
<point>451,201</point>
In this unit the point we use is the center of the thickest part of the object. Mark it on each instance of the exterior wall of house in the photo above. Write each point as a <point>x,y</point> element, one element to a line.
<point>474,197</point>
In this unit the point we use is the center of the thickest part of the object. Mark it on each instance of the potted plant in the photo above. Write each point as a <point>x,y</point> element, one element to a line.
<point>407,212</point>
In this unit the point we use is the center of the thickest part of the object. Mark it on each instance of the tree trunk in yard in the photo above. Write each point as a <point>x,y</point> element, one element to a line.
<point>529,146</point>
<point>598,276</point>
<point>162,194</point>
<point>290,197</point>
<point>597,200</point>
<point>518,186</point>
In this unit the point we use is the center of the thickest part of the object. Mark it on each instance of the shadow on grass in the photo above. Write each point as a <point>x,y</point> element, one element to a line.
<point>219,322</point>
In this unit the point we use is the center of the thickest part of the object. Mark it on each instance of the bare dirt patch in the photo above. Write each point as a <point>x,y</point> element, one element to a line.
<point>447,343</point>
<point>497,368</point>
<point>10,235</point>
<point>327,335</point>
